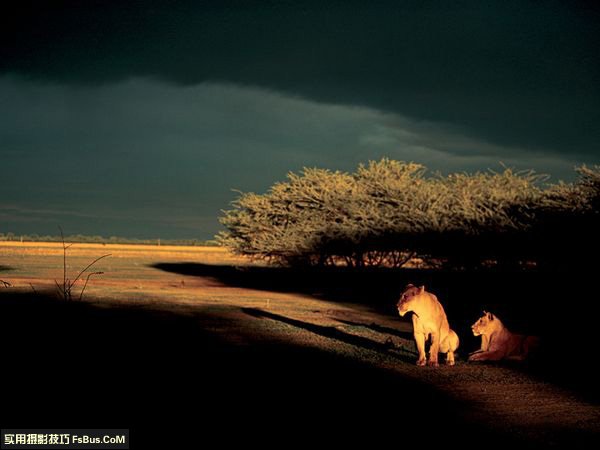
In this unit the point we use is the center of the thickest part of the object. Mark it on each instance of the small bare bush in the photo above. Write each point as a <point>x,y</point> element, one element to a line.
<point>65,290</point>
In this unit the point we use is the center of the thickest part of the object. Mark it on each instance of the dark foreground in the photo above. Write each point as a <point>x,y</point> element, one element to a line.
<point>205,375</point>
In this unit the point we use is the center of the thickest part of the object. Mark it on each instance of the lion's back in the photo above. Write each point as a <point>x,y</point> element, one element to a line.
<point>433,313</point>
<point>519,346</point>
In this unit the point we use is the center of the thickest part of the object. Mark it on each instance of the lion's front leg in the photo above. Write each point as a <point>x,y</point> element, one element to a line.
<point>434,349</point>
<point>485,343</point>
<point>486,356</point>
<point>420,341</point>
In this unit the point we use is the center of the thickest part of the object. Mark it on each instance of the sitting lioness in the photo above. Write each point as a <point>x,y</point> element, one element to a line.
<point>497,342</point>
<point>429,319</point>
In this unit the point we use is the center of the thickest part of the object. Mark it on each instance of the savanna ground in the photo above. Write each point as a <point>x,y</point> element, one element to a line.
<point>187,345</point>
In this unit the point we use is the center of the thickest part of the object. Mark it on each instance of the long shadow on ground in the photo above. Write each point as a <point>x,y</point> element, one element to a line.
<point>330,332</point>
<point>378,328</point>
<point>559,307</point>
<point>175,383</point>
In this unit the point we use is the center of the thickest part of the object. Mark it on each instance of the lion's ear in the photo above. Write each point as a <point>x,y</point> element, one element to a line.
<point>490,316</point>
<point>409,285</point>
<point>422,289</point>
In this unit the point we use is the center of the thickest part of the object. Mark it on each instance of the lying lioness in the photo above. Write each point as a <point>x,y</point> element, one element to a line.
<point>497,342</point>
<point>429,319</point>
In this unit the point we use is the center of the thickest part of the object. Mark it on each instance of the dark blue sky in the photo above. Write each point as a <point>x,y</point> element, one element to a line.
<point>139,118</point>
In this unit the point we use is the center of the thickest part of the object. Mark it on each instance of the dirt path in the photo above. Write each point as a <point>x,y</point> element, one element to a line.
<point>516,402</point>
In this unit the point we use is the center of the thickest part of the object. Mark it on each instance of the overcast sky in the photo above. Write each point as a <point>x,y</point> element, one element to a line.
<point>139,118</point>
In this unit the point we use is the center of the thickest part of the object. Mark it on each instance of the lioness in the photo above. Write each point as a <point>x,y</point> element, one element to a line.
<point>429,319</point>
<point>497,342</point>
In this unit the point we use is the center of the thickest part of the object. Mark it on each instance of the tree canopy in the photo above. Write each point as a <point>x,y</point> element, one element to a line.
<point>387,212</point>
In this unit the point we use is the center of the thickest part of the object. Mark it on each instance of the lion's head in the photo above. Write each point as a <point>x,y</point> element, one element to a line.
<point>411,294</point>
<point>486,324</point>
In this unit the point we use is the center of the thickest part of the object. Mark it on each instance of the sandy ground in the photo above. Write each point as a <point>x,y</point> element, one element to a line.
<point>504,398</point>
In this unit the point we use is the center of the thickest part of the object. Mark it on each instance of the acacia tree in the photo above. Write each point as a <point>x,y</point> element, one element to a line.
<point>389,211</point>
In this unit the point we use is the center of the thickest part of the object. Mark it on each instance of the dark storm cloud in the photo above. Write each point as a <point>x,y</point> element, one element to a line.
<point>144,159</point>
<point>517,73</point>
